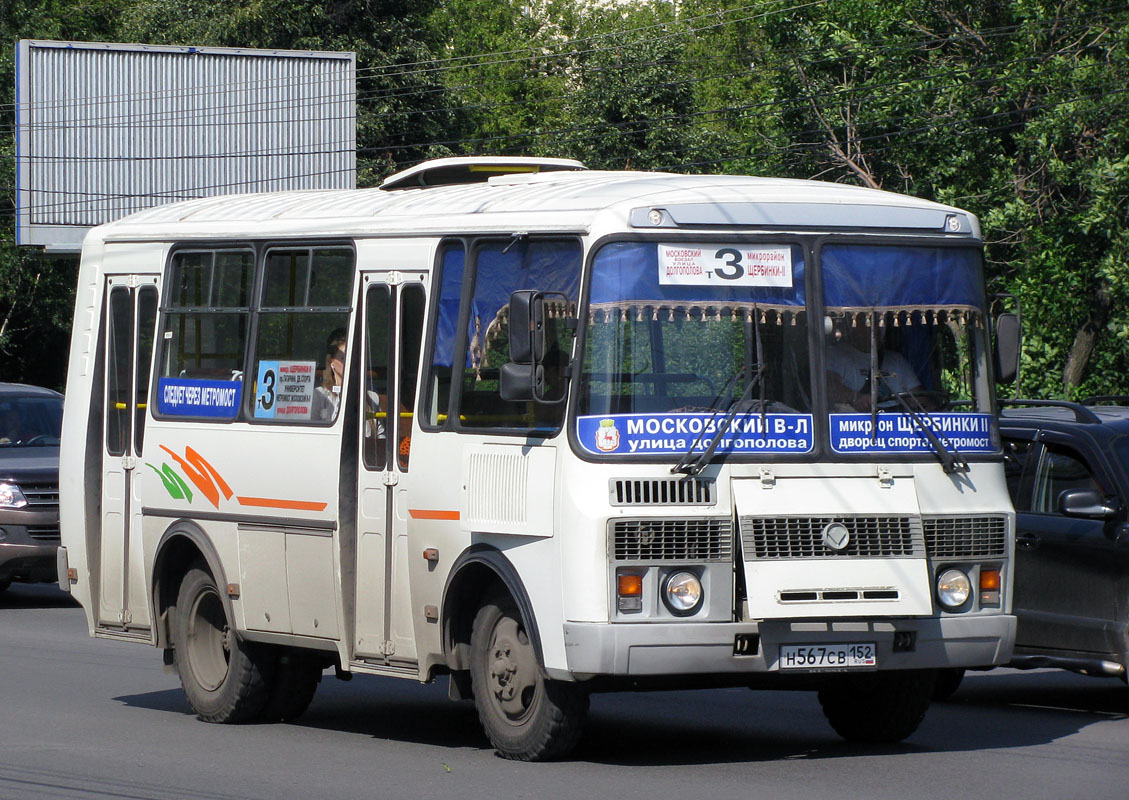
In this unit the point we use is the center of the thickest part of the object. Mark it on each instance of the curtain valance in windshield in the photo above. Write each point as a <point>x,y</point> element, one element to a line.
<point>916,285</point>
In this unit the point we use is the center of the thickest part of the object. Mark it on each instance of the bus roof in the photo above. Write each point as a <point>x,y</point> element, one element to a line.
<point>557,200</point>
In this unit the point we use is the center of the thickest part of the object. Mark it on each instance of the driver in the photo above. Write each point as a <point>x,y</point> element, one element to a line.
<point>12,427</point>
<point>848,370</point>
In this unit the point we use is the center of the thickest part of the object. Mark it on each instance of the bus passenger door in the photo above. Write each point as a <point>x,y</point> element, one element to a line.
<point>130,318</point>
<point>393,320</point>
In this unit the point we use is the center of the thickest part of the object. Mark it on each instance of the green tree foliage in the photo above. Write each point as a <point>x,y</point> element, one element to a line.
<point>506,65</point>
<point>1017,110</point>
<point>36,291</point>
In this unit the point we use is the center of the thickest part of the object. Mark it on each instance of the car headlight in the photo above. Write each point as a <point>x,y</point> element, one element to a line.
<point>682,593</point>
<point>11,496</point>
<point>953,588</point>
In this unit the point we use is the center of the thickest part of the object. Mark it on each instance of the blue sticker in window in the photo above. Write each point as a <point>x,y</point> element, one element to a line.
<point>189,397</point>
<point>898,433</point>
<point>285,390</point>
<point>648,434</point>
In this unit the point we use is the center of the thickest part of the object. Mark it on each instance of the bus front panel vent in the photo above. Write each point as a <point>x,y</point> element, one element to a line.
<point>661,492</point>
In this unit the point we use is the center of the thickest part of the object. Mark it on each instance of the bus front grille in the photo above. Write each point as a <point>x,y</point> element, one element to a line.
<point>965,537</point>
<point>768,538</point>
<point>672,540</point>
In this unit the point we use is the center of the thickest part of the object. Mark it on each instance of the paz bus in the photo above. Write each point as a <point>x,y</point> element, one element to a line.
<point>545,431</point>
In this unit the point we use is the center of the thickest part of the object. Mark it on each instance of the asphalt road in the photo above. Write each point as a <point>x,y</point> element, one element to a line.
<point>85,718</point>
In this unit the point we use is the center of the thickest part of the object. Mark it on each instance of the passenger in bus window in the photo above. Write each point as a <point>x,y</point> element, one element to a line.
<point>327,397</point>
<point>848,369</point>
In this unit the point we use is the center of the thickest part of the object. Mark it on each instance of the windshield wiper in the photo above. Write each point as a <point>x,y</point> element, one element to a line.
<point>726,392</point>
<point>951,459</point>
<point>688,467</point>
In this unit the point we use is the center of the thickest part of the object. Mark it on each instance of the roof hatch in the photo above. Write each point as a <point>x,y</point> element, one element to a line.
<point>473,169</point>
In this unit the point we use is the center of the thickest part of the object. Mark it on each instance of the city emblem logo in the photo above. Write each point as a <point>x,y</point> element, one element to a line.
<point>607,436</point>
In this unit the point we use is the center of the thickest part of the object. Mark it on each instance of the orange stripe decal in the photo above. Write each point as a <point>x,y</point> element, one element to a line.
<point>294,505</point>
<point>428,513</point>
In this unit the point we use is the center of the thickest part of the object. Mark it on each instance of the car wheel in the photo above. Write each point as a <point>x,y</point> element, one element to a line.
<point>526,716</point>
<point>877,706</point>
<point>223,676</point>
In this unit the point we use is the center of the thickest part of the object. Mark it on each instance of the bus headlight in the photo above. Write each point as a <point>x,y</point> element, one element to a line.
<point>11,496</point>
<point>953,588</point>
<point>682,593</point>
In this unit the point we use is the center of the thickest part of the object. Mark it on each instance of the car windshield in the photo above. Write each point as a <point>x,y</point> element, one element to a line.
<point>30,421</point>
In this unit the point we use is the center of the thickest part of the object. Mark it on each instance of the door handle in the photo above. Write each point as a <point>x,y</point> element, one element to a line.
<point>1028,541</point>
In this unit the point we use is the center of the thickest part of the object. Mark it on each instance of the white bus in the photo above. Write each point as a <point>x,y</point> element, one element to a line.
<point>546,431</point>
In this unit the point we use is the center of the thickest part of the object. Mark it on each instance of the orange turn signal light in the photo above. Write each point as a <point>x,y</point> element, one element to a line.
<point>630,585</point>
<point>989,580</point>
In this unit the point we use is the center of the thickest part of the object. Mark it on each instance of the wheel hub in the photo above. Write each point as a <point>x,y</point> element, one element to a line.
<point>512,671</point>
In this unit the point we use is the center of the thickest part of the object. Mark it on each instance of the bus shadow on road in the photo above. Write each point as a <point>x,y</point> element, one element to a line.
<point>996,710</point>
<point>991,711</point>
<point>35,595</point>
<point>390,709</point>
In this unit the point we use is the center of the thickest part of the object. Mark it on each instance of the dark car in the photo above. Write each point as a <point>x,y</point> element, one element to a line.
<point>30,420</point>
<point>1067,467</point>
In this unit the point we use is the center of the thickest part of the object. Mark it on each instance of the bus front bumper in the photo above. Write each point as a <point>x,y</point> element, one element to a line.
<point>748,647</point>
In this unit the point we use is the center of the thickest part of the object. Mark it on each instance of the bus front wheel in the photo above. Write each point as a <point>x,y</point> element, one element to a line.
<point>877,706</point>
<point>221,674</point>
<point>526,716</point>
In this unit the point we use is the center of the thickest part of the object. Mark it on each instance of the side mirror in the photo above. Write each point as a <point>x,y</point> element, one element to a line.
<point>1009,335</point>
<point>527,326</point>
<point>521,382</point>
<point>1085,503</point>
<point>535,372</point>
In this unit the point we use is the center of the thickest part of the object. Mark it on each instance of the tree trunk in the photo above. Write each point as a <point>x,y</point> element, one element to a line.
<point>1086,338</point>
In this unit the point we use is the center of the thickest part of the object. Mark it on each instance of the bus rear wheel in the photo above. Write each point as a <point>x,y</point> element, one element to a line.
<point>292,687</point>
<point>877,707</point>
<point>221,674</point>
<point>526,716</point>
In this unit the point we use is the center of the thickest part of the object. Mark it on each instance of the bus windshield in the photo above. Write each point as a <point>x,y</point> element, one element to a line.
<point>905,337</point>
<point>683,340</point>
<point>678,334</point>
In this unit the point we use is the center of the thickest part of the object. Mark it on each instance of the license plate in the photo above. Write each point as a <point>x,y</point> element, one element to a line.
<point>828,656</point>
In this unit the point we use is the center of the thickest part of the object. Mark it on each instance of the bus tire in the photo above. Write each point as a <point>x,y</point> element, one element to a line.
<point>526,716</point>
<point>877,707</point>
<point>948,681</point>
<point>292,687</point>
<point>221,674</point>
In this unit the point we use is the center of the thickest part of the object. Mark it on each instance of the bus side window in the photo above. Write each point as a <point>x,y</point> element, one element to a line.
<point>207,305</point>
<point>411,340</point>
<point>500,268</point>
<point>449,291</point>
<point>303,322</point>
<point>377,358</point>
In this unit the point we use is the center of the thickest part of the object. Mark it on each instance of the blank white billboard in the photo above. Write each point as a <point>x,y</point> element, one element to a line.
<point>104,130</point>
